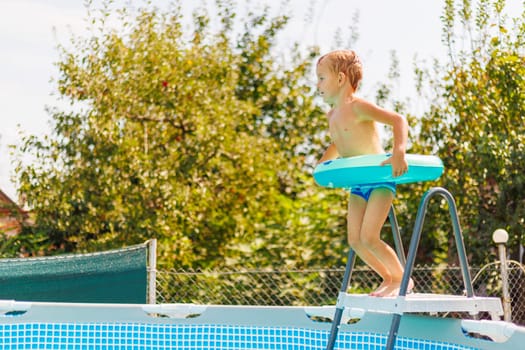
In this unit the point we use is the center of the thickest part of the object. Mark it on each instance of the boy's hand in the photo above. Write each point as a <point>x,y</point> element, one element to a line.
<point>399,164</point>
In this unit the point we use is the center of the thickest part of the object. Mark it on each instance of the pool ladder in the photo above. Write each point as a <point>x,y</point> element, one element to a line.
<point>415,302</point>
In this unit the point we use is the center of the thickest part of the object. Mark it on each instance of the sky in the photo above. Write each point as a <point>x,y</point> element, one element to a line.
<point>31,29</point>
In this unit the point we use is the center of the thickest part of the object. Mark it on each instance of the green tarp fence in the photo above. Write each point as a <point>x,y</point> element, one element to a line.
<point>116,276</point>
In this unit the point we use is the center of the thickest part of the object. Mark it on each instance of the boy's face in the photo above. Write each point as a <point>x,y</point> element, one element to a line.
<point>327,82</point>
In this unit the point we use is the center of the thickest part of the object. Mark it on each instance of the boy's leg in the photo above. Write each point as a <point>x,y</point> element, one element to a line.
<point>374,217</point>
<point>357,207</point>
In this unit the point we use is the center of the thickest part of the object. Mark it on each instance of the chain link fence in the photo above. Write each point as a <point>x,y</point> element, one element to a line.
<point>321,286</point>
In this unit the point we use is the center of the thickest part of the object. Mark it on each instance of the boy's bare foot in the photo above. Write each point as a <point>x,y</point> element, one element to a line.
<point>391,289</point>
<point>378,292</point>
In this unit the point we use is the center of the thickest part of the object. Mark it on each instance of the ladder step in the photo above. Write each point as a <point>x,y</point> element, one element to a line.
<point>425,303</point>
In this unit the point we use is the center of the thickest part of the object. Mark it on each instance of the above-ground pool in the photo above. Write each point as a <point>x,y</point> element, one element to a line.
<point>26,325</point>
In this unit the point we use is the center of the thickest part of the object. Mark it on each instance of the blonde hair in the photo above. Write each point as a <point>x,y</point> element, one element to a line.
<point>347,62</point>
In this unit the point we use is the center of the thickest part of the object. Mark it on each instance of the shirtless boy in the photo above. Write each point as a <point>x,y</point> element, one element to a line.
<point>354,131</point>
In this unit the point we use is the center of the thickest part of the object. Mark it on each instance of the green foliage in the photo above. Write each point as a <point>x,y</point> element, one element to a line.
<point>476,121</point>
<point>475,124</point>
<point>204,139</point>
<point>198,140</point>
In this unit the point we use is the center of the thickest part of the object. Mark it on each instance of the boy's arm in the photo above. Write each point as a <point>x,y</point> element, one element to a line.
<point>329,154</point>
<point>400,130</point>
<point>398,161</point>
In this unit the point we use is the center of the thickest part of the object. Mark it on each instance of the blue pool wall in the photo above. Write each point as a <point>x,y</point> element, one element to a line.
<point>80,326</point>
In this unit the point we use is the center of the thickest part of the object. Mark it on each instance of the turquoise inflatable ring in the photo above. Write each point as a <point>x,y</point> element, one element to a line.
<point>366,170</point>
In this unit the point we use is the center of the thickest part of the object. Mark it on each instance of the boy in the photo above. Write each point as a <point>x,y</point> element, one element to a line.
<point>352,124</point>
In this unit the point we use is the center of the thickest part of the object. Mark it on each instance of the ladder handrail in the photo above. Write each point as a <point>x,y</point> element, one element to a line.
<point>414,243</point>
<point>416,235</point>
<point>398,243</point>
<point>339,305</point>
<point>348,274</point>
<point>410,259</point>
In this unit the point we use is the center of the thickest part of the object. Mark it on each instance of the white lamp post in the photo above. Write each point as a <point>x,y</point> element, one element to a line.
<point>500,237</point>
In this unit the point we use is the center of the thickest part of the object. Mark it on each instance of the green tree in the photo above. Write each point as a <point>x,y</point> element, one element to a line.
<point>198,140</point>
<point>476,121</point>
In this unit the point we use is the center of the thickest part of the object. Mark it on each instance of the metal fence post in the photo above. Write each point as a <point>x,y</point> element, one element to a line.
<point>152,271</point>
<point>500,237</point>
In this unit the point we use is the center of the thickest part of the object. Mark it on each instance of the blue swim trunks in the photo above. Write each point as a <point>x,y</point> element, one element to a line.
<point>365,191</point>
